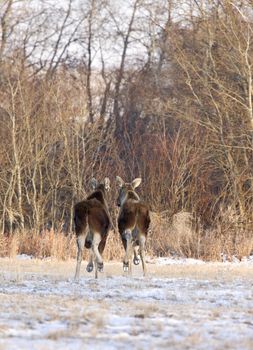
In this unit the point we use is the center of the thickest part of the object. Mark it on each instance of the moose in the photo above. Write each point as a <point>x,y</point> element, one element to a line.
<point>133,223</point>
<point>92,224</point>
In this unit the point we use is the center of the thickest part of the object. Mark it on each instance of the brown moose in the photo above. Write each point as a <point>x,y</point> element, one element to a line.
<point>92,224</point>
<point>133,223</point>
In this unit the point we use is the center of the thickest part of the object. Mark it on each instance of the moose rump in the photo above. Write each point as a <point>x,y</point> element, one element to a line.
<point>134,216</point>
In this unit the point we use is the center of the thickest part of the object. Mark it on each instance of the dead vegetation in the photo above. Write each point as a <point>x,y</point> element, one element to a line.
<point>180,236</point>
<point>178,114</point>
<point>183,236</point>
<point>53,244</point>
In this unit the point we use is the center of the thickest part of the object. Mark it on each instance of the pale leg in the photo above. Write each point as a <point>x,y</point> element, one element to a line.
<point>89,267</point>
<point>98,258</point>
<point>142,254</point>
<point>80,246</point>
<point>127,266</point>
<point>136,258</point>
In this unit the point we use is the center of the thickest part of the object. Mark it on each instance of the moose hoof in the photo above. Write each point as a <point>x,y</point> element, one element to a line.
<point>125,266</point>
<point>89,267</point>
<point>100,267</point>
<point>136,261</point>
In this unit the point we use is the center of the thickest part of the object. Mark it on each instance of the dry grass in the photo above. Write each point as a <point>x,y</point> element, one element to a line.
<point>182,235</point>
<point>173,236</point>
<point>48,243</point>
<point>232,237</point>
<point>19,268</point>
<point>52,244</point>
<point>178,235</point>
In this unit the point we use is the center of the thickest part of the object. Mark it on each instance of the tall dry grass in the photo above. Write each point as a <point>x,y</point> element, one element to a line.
<point>46,244</point>
<point>52,244</point>
<point>183,235</point>
<point>180,236</point>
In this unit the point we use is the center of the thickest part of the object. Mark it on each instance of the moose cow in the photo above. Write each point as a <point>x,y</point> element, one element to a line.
<point>133,223</point>
<point>92,224</point>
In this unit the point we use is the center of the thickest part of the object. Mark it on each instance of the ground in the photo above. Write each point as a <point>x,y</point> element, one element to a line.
<point>181,304</point>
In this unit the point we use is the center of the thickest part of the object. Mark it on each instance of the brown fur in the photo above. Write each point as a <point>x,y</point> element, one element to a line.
<point>133,218</point>
<point>91,217</point>
<point>134,215</point>
<point>91,214</point>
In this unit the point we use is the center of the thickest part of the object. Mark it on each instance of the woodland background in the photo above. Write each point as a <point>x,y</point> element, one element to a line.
<point>157,89</point>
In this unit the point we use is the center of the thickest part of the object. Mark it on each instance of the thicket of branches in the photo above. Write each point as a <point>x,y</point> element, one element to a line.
<point>161,90</point>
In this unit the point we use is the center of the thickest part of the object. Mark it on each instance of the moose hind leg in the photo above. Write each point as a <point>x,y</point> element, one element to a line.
<point>136,258</point>
<point>128,251</point>
<point>88,245</point>
<point>135,234</point>
<point>80,247</point>
<point>99,265</point>
<point>142,254</point>
<point>89,267</point>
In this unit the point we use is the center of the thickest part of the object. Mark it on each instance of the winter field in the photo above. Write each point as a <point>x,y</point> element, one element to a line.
<point>182,304</point>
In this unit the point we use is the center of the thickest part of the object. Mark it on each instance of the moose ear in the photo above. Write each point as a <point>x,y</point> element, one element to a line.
<point>93,183</point>
<point>119,181</point>
<point>107,183</point>
<point>136,182</point>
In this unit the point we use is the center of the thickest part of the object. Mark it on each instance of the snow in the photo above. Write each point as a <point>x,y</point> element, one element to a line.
<point>24,257</point>
<point>173,261</point>
<point>184,305</point>
<point>190,261</point>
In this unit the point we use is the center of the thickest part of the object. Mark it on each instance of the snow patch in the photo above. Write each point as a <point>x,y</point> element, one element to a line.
<point>24,257</point>
<point>175,261</point>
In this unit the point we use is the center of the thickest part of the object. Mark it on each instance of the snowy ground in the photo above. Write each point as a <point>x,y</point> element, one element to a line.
<point>182,304</point>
